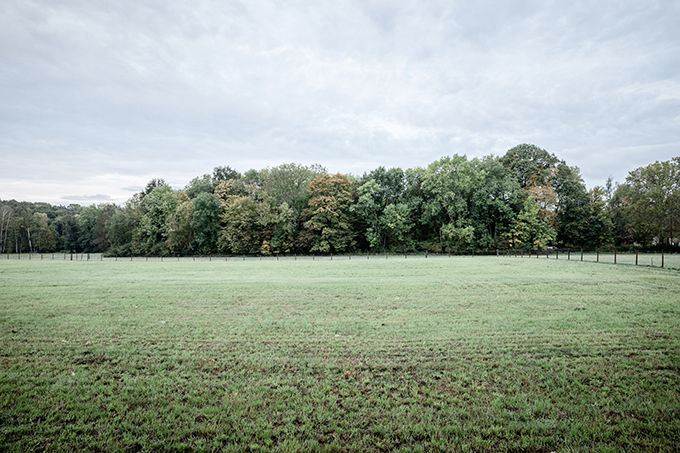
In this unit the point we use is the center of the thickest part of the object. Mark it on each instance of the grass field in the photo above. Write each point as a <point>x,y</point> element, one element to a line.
<point>437,354</point>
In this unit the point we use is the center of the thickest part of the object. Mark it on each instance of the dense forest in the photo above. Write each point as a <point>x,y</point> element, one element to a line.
<point>525,199</point>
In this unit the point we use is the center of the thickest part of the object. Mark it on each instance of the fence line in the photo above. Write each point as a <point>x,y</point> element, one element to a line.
<point>660,259</point>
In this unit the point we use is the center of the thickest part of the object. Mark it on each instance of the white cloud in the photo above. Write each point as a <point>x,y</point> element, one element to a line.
<point>142,89</point>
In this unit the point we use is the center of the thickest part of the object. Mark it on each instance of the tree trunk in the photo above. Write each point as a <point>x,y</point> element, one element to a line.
<point>30,246</point>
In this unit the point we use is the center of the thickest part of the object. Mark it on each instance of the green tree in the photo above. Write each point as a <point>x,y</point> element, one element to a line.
<point>122,227</point>
<point>599,228</point>
<point>224,173</point>
<point>396,223</point>
<point>448,186</point>
<point>156,182</point>
<point>199,185</point>
<point>46,237</point>
<point>376,191</point>
<point>289,183</point>
<point>558,189</point>
<point>180,232</point>
<point>205,222</point>
<point>368,208</point>
<point>92,227</point>
<point>285,229</point>
<point>158,205</point>
<point>6,215</point>
<point>494,203</point>
<point>240,232</point>
<point>531,165</point>
<point>529,230</point>
<point>69,232</point>
<point>327,220</point>
<point>652,199</point>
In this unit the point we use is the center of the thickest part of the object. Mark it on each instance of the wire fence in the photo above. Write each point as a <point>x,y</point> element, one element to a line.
<point>635,258</point>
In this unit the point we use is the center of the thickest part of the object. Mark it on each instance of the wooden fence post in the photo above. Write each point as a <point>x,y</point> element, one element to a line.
<point>661,258</point>
<point>581,254</point>
<point>598,255</point>
<point>557,254</point>
<point>614,256</point>
<point>568,254</point>
<point>636,257</point>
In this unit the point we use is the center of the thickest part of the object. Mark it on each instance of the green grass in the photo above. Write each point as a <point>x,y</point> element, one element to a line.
<point>436,354</point>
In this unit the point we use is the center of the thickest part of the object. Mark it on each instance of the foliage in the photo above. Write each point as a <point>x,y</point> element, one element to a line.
<point>652,201</point>
<point>448,185</point>
<point>158,206</point>
<point>246,223</point>
<point>180,229</point>
<point>289,183</point>
<point>205,222</point>
<point>327,219</point>
<point>529,230</point>
<point>455,203</point>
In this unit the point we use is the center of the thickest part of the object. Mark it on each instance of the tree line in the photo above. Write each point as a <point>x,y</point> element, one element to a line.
<point>525,199</point>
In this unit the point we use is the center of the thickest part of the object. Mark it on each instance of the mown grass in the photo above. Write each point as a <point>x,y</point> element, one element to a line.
<point>437,354</point>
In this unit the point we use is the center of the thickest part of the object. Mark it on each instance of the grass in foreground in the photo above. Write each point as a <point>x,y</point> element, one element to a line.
<point>445,354</point>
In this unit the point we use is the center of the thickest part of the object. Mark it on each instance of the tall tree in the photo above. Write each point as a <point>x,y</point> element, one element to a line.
<point>122,227</point>
<point>158,205</point>
<point>224,173</point>
<point>180,232</point>
<point>448,185</point>
<point>199,185</point>
<point>240,232</point>
<point>653,201</point>
<point>205,222</point>
<point>289,183</point>
<point>327,220</point>
<point>6,213</point>
<point>529,230</point>
<point>495,203</point>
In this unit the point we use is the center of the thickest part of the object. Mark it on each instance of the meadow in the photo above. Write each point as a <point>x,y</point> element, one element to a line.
<point>419,354</point>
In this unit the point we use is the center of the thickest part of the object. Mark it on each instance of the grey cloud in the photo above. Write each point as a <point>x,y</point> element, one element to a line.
<point>147,88</point>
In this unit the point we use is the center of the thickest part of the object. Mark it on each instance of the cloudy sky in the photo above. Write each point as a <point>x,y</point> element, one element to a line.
<point>97,98</point>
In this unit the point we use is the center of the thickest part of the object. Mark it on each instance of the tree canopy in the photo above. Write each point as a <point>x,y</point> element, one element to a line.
<point>527,198</point>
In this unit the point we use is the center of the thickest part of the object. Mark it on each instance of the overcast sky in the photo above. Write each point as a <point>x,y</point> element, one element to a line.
<point>97,98</point>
